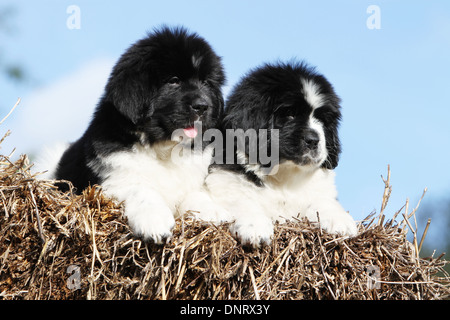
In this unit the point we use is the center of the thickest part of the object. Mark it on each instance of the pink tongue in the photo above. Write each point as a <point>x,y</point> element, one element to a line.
<point>190,132</point>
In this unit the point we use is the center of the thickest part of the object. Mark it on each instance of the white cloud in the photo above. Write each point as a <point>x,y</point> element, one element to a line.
<point>59,112</point>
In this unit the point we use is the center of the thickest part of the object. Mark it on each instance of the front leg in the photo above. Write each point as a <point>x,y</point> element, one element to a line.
<point>242,200</point>
<point>333,218</point>
<point>148,215</point>
<point>203,207</point>
<point>252,228</point>
<point>150,218</point>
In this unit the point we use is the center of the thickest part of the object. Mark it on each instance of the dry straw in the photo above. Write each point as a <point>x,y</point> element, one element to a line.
<point>64,246</point>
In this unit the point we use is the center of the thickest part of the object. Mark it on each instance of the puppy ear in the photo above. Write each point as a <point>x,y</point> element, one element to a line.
<point>129,91</point>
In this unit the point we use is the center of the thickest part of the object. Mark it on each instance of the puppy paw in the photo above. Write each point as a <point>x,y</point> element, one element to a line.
<point>212,213</point>
<point>338,222</point>
<point>253,231</point>
<point>203,208</point>
<point>151,223</point>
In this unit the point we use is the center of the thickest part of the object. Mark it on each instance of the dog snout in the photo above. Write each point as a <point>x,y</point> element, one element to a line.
<point>199,106</point>
<point>311,139</point>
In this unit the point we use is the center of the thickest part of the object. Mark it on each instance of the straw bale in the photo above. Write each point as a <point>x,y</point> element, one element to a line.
<point>49,240</point>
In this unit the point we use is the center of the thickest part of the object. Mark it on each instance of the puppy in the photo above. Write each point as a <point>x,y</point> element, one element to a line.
<point>300,112</point>
<point>168,82</point>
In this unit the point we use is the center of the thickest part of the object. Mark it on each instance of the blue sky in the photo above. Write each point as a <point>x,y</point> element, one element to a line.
<point>393,81</point>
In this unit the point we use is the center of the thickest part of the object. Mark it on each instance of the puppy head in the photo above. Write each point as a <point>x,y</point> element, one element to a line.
<point>297,101</point>
<point>167,81</point>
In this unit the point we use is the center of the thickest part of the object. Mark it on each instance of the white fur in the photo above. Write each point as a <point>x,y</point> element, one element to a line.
<point>47,161</point>
<point>156,189</point>
<point>310,91</point>
<point>293,191</point>
<point>196,61</point>
<point>321,148</point>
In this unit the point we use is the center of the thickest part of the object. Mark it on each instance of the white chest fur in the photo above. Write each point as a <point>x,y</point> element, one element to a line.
<point>153,182</point>
<point>145,169</point>
<point>292,192</point>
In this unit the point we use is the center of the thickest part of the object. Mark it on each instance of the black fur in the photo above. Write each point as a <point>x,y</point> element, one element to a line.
<point>163,82</point>
<point>270,97</point>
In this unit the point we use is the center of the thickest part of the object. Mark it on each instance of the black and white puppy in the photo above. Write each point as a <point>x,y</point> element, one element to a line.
<point>165,82</point>
<point>301,106</point>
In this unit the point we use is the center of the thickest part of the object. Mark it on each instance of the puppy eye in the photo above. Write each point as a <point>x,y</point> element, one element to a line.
<point>290,115</point>
<point>174,81</point>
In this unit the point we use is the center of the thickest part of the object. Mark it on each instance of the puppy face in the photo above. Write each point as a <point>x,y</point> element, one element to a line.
<point>166,82</point>
<point>298,102</point>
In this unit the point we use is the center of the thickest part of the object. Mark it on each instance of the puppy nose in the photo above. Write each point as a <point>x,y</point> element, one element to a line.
<point>199,106</point>
<point>311,139</point>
